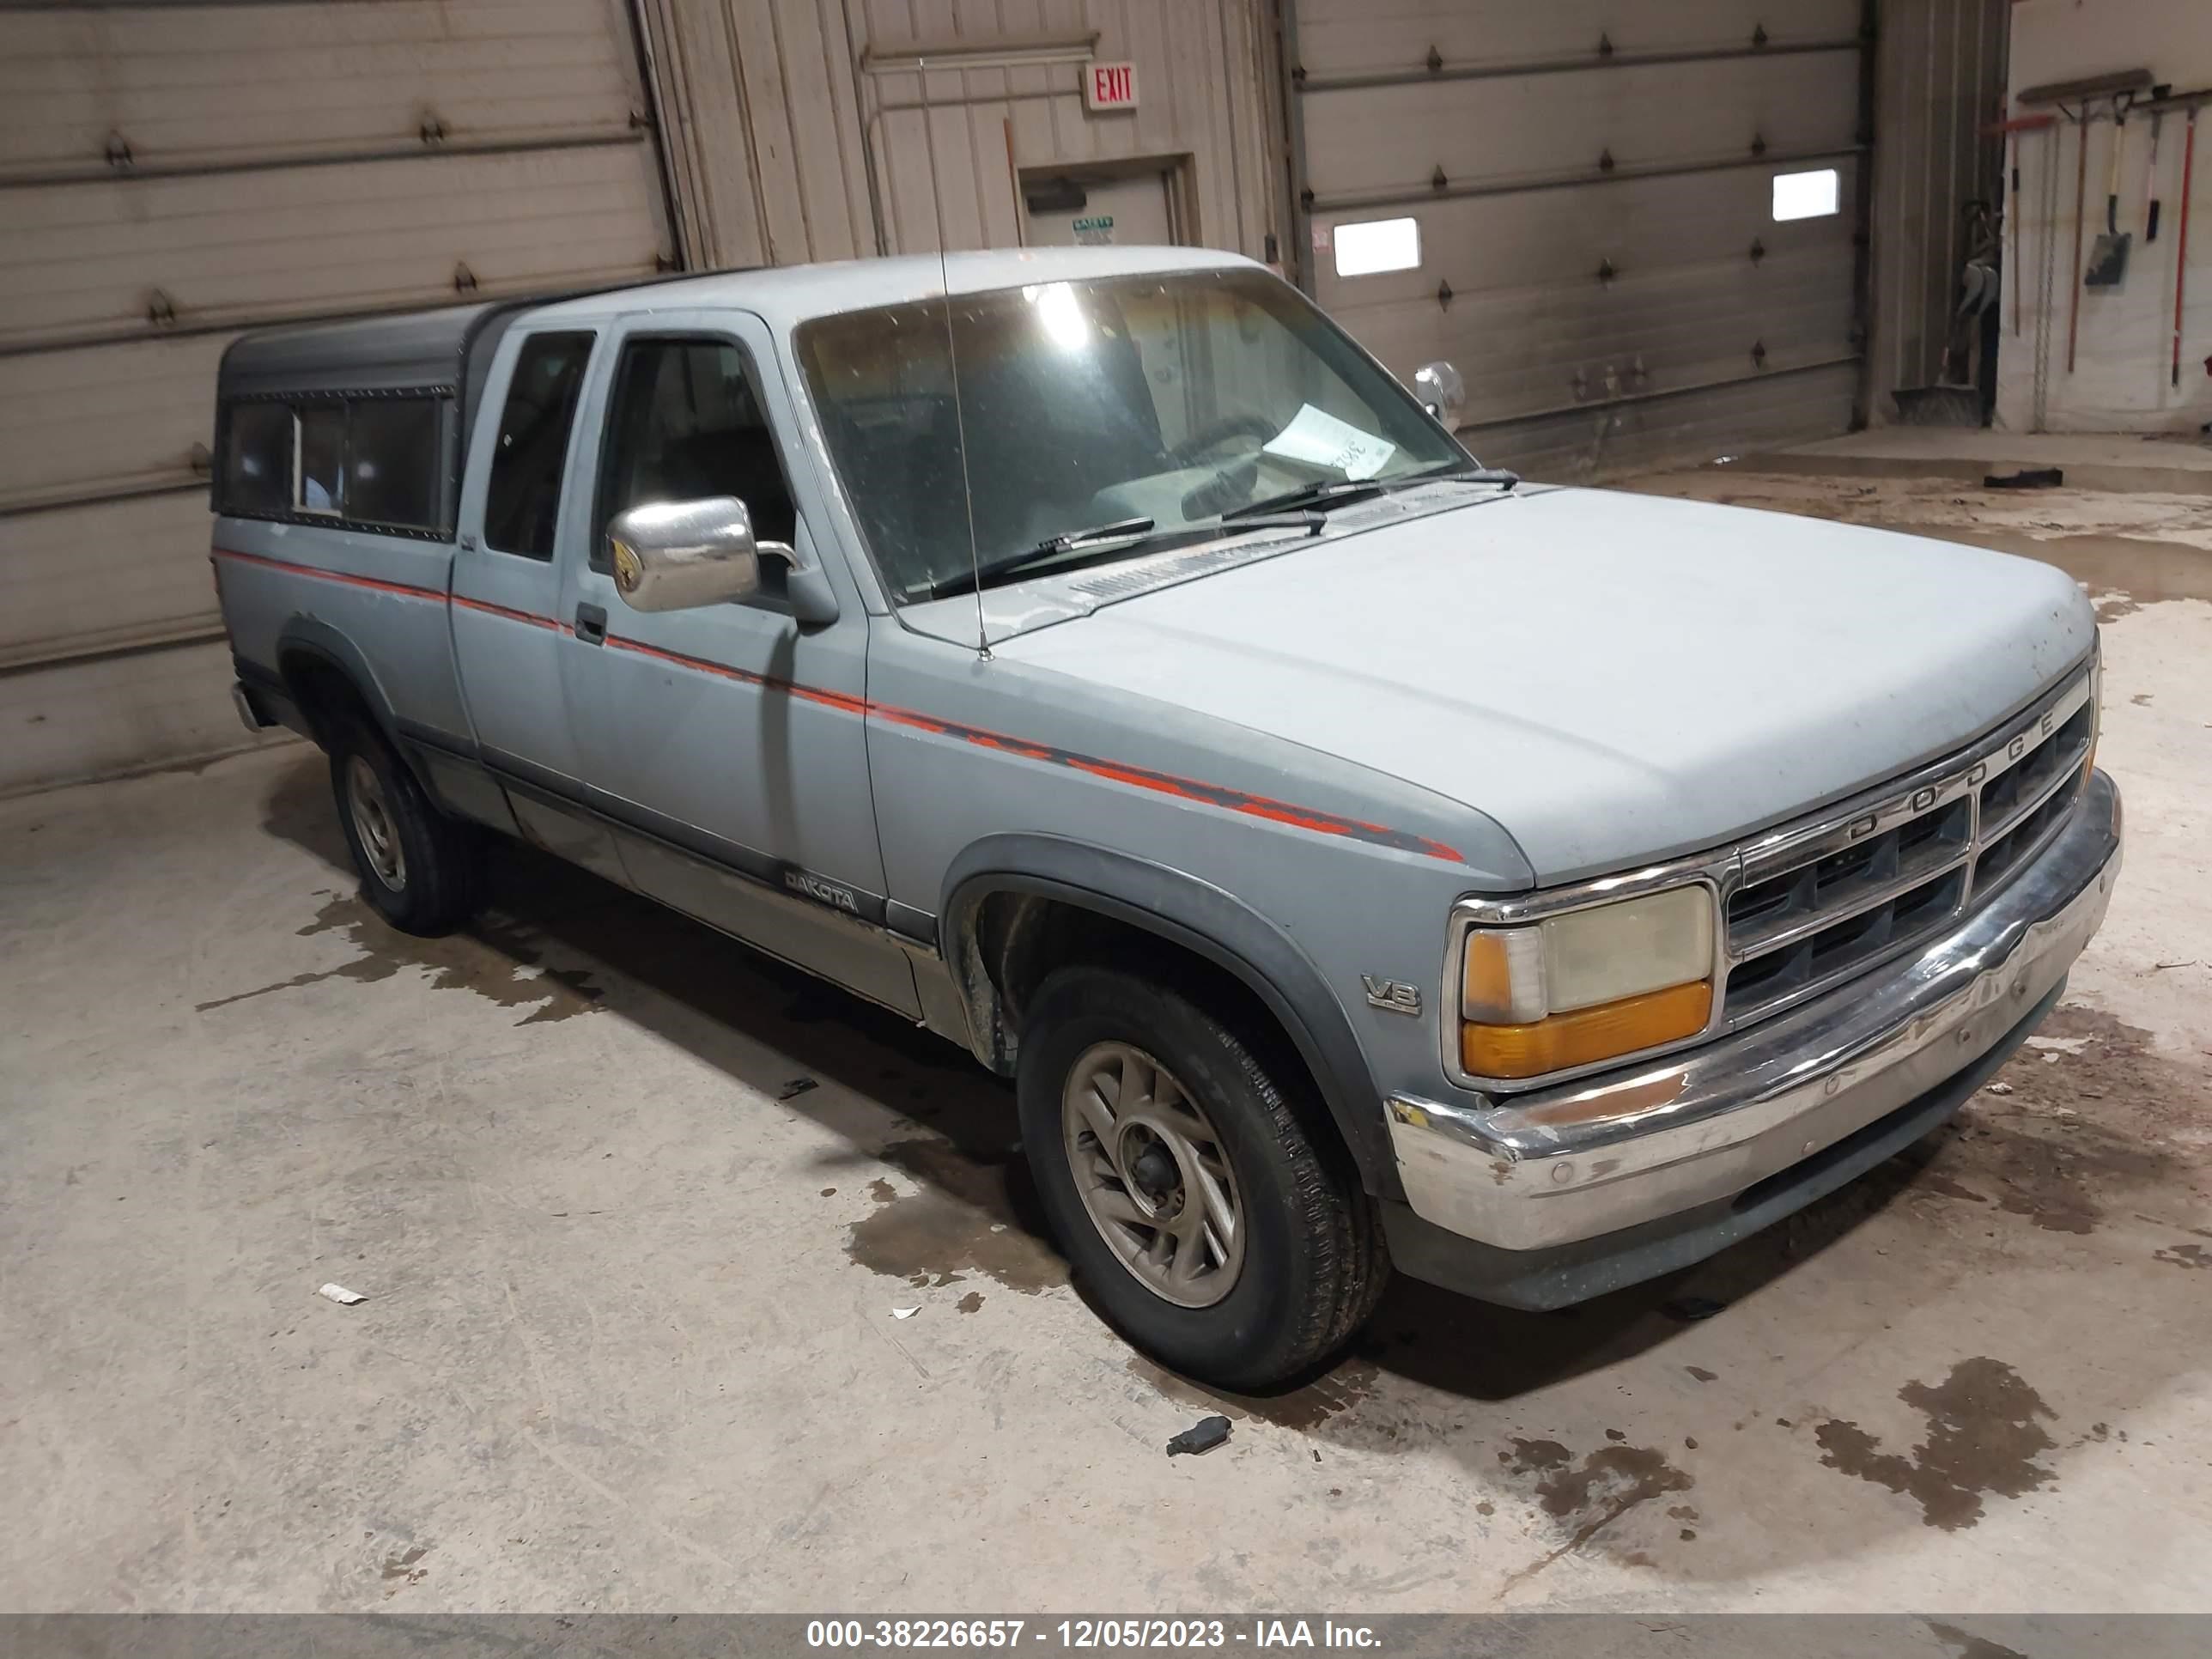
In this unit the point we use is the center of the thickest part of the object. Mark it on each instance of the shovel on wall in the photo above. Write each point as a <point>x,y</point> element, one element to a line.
<point>2108,254</point>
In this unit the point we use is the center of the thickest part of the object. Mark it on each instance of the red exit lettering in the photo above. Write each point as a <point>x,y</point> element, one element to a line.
<point>1111,86</point>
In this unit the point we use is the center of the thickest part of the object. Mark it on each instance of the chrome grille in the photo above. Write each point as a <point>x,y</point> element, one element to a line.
<point>1814,904</point>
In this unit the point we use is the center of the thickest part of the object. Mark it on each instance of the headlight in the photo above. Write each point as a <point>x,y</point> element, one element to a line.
<point>1587,985</point>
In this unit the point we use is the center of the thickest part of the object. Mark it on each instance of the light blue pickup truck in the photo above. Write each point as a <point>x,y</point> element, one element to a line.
<point>1355,856</point>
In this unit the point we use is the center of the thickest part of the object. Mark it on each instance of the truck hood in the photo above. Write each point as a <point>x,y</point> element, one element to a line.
<point>1612,677</point>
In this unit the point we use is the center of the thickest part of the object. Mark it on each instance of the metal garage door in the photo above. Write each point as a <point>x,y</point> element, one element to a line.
<point>171,173</point>
<point>1592,190</point>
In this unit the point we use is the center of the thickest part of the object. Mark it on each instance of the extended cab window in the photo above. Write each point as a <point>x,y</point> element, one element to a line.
<point>532,451</point>
<point>685,423</point>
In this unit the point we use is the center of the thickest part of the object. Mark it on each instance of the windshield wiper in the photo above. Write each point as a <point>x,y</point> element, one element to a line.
<point>1121,530</point>
<point>1318,497</point>
<point>1344,492</point>
<point>1068,541</point>
<point>1135,532</point>
<point>1453,473</point>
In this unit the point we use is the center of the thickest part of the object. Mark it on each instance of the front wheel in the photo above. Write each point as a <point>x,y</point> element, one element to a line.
<point>1186,1181</point>
<point>419,870</point>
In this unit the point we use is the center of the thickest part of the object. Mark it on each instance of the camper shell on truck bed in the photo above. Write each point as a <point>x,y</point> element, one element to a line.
<point>416,376</point>
<point>420,373</point>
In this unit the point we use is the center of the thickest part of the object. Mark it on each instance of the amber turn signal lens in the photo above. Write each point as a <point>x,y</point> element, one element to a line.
<point>1588,1034</point>
<point>1504,978</point>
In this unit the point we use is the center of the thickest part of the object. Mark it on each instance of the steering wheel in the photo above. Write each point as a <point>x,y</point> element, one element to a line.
<point>1187,453</point>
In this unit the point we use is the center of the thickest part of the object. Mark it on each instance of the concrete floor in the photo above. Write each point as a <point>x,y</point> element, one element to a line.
<point>630,1339</point>
<point>2091,461</point>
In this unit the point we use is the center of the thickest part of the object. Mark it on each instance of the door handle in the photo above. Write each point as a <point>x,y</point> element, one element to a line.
<point>592,623</point>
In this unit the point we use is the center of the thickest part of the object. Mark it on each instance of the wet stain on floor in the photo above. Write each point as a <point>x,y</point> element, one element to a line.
<point>2078,1122</point>
<point>1588,1496</point>
<point>1943,1186</point>
<point>962,1222</point>
<point>2125,572</point>
<point>1607,1484</point>
<point>496,958</point>
<point>1984,1432</point>
<point>2111,606</point>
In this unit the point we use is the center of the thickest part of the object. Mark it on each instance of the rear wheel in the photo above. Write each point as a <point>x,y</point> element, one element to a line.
<point>419,870</point>
<point>1187,1182</point>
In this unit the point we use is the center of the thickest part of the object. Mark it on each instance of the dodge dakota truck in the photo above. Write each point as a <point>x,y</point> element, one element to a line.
<point>1355,857</point>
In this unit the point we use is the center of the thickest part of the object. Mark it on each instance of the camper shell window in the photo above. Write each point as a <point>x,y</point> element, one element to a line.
<point>257,460</point>
<point>391,461</point>
<point>370,412</point>
<point>376,459</point>
<point>319,476</point>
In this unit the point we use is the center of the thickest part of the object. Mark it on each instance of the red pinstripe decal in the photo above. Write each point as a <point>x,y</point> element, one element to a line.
<point>403,589</point>
<point>1166,783</point>
<point>1134,777</point>
<point>812,694</point>
<point>530,617</point>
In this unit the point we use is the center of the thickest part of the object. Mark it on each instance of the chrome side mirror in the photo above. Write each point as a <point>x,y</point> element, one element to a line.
<point>1441,391</point>
<point>675,555</point>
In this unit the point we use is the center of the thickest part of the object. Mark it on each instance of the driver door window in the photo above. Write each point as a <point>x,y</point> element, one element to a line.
<point>723,738</point>
<point>685,422</point>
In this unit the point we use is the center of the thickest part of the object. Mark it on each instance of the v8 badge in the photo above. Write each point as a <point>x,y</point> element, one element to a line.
<point>1393,996</point>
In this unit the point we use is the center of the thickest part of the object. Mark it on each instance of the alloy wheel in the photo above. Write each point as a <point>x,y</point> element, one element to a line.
<point>1153,1175</point>
<point>373,823</point>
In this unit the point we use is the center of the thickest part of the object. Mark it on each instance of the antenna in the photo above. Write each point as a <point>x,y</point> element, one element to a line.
<point>952,362</point>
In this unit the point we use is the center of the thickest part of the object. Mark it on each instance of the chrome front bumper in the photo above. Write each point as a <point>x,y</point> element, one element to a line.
<point>1534,1170</point>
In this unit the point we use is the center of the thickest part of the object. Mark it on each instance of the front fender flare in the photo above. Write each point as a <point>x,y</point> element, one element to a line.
<point>1206,920</point>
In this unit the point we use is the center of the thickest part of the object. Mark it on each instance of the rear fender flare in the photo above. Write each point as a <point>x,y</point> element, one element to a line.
<point>305,636</point>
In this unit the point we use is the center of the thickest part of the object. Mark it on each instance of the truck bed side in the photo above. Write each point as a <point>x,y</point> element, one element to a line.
<point>302,601</point>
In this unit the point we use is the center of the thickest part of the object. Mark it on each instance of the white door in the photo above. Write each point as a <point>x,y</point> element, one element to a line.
<point>1129,209</point>
<point>1576,204</point>
<point>172,174</point>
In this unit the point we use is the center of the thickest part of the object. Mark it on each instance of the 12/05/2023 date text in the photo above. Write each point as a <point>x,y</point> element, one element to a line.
<point>1085,1634</point>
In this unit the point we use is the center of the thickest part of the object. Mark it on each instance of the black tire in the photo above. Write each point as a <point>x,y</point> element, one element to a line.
<point>1314,1262</point>
<point>439,859</point>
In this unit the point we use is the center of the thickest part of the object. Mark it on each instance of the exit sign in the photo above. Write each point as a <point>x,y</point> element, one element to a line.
<point>1109,86</point>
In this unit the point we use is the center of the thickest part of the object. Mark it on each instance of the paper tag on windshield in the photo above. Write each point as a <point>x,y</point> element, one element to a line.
<point>1315,436</point>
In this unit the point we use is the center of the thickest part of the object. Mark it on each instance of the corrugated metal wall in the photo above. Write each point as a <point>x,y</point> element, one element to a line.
<point>1593,187</point>
<point>172,173</point>
<point>799,133</point>
<point>1940,80</point>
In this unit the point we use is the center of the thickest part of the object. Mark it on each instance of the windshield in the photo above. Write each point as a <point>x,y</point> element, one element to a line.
<point>1172,398</point>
